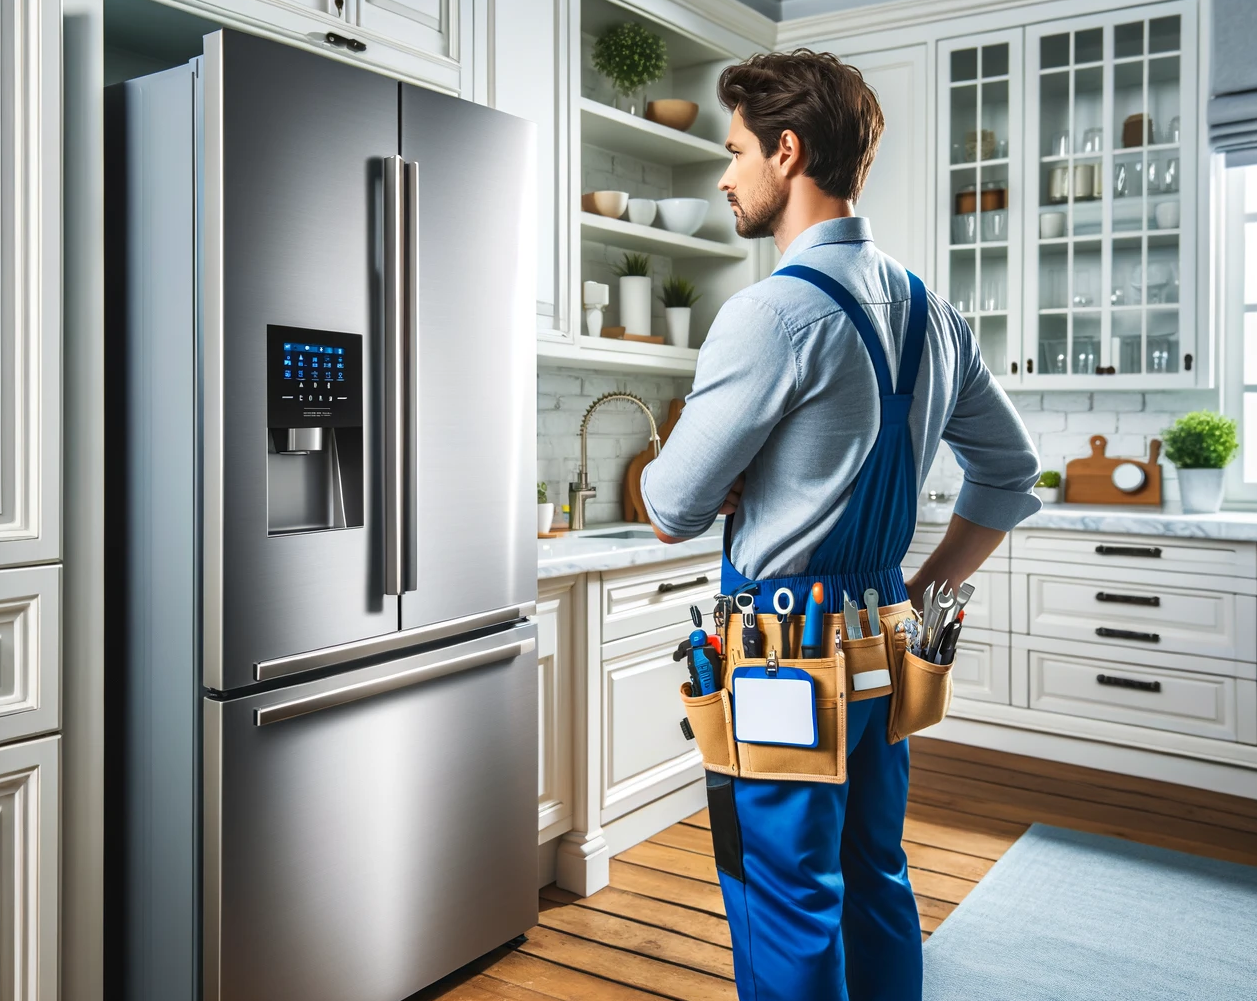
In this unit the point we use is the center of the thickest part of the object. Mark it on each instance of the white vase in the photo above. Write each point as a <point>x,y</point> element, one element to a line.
<point>593,321</point>
<point>1201,490</point>
<point>678,319</point>
<point>635,304</point>
<point>545,517</point>
<point>1049,495</point>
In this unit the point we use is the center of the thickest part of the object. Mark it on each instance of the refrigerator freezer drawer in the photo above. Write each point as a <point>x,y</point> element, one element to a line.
<point>369,832</point>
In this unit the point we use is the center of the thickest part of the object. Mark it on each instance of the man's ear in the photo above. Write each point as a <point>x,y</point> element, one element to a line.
<point>789,156</point>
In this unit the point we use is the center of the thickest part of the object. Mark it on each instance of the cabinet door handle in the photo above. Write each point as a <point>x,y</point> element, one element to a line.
<point>340,41</point>
<point>1153,552</point>
<point>668,586</point>
<point>1116,682</point>
<point>1128,634</point>
<point>1152,601</point>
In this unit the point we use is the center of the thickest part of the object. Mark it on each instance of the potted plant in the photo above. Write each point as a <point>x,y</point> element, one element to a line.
<point>1201,444</point>
<point>545,510</point>
<point>631,58</point>
<point>678,298</point>
<point>634,274</point>
<point>1049,486</point>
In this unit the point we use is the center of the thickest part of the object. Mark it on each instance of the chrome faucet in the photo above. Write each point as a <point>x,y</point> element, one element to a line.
<point>582,490</point>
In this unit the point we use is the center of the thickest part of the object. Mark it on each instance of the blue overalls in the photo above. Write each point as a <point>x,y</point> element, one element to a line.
<point>801,861</point>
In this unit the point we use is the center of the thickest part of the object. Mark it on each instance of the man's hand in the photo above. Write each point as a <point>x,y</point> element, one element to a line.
<point>734,497</point>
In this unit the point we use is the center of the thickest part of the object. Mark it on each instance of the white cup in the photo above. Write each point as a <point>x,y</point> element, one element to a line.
<point>1167,215</point>
<point>1051,225</point>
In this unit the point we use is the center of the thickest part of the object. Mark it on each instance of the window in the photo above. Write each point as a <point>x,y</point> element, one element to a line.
<point>1238,295</point>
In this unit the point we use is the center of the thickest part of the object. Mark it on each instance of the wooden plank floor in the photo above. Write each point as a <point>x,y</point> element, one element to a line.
<point>658,931</point>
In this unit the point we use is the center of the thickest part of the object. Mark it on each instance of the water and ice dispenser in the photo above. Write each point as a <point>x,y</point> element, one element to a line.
<point>314,462</point>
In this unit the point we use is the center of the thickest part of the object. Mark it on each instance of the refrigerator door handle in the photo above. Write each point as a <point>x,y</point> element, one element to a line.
<point>410,489</point>
<point>391,683</point>
<point>394,372</point>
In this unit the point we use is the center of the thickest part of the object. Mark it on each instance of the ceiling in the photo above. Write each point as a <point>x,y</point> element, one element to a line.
<point>782,10</point>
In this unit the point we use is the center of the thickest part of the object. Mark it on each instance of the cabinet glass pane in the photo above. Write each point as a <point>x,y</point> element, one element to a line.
<point>1128,189</point>
<point>1089,46</point>
<point>1053,344</point>
<point>963,278</point>
<point>1088,127</point>
<point>1163,34</point>
<point>993,294</point>
<point>1128,40</point>
<point>1126,351</point>
<point>1054,50</point>
<point>964,119</point>
<point>1053,276</point>
<point>1126,285</point>
<point>1161,278</point>
<point>1085,355</point>
<point>995,60</point>
<point>993,343</point>
<point>1129,114</point>
<point>964,65</point>
<point>1054,114</point>
<point>995,120</point>
<point>1163,342</point>
<point>1163,99</point>
<point>1085,291</point>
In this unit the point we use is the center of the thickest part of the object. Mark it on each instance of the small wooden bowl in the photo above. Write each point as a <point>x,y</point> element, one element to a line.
<point>672,112</point>
<point>609,203</point>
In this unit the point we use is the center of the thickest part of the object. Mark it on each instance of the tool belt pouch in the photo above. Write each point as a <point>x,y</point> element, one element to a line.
<point>922,693</point>
<point>711,720</point>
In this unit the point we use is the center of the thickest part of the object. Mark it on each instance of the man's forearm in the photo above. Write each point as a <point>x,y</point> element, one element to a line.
<point>964,549</point>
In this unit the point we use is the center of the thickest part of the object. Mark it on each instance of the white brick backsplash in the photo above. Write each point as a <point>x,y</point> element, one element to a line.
<point>658,177</point>
<point>553,383</point>
<point>1181,401</point>
<point>1117,402</point>
<point>1091,422</point>
<point>1044,420</point>
<point>1149,422</point>
<point>1026,402</point>
<point>1067,401</point>
<point>594,158</point>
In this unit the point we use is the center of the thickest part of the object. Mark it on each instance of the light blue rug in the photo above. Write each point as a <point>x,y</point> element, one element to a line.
<point>1067,916</point>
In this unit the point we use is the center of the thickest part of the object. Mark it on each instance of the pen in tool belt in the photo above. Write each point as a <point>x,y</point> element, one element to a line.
<point>813,619</point>
<point>752,641</point>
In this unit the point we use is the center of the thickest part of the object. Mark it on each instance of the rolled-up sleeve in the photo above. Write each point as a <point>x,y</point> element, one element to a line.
<point>990,442</point>
<point>745,379</point>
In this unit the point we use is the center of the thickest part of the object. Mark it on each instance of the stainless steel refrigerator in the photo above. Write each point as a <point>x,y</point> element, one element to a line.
<point>322,696</point>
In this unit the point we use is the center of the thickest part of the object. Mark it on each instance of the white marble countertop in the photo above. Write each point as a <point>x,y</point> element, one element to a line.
<point>1237,526</point>
<point>595,549</point>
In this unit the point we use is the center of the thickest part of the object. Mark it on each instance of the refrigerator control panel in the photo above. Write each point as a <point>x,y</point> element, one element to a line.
<point>314,378</point>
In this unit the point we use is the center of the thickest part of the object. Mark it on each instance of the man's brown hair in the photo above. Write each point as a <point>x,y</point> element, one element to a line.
<point>823,100</point>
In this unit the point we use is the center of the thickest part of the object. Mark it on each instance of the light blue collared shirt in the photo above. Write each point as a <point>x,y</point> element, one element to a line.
<point>785,390</point>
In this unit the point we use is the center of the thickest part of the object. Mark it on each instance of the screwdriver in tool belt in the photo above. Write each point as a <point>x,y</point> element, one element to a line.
<point>813,619</point>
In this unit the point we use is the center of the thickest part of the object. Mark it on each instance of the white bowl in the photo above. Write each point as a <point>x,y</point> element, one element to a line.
<point>642,210</point>
<point>682,215</point>
<point>1052,225</point>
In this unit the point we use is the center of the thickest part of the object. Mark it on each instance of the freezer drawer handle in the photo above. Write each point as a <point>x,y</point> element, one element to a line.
<point>1128,634</point>
<point>1116,682</point>
<point>390,683</point>
<point>668,586</point>
<point>1154,552</point>
<point>1152,601</point>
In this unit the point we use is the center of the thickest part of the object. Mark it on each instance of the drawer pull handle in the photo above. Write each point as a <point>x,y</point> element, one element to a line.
<point>1153,552</point>
<point>668,586</point>
<point>1116,682</point>
<point>1152,601</point>
<point>1128,634</point>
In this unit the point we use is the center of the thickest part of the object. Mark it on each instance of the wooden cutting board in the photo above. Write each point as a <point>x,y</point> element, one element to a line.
<point>634,506</point>
<point>1090,480</point>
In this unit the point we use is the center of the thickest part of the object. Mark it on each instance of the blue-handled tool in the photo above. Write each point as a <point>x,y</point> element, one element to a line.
<point>813,620</point>
<point>702,670</point>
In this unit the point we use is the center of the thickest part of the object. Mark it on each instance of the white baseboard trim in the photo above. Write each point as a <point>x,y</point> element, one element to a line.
<point>634,828</point>
<point>1231,779</point>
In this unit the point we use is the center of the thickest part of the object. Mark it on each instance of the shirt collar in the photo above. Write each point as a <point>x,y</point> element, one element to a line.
<point>848,229</point>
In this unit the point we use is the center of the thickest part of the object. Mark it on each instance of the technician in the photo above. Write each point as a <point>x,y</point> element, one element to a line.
<point>819,401</point>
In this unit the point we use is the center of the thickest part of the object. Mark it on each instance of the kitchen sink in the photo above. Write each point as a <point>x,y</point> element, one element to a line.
<point>623,533</point>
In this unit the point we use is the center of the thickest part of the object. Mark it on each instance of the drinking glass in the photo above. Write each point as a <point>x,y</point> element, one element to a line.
<point>1093,140</point>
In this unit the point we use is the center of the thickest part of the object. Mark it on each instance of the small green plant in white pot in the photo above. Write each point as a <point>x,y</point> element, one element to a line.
<point>634,274</point>
<point>545,510</point>
<point>1049,486</point>
<point>1201,444</point>
<point>678,298</point>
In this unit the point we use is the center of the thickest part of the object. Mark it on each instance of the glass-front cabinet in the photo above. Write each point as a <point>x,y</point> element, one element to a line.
<point>980,191</point>
<point>1110,249</point>
<point>1067,208</point>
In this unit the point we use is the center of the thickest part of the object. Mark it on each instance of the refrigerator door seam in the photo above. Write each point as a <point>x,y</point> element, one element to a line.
<point>402,679</point>
<point>388,642</point>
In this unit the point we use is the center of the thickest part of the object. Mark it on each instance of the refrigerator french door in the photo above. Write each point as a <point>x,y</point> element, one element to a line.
<point>321,414</point>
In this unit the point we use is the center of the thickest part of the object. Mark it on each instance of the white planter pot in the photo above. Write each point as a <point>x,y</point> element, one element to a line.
<point>1201,490</point>
<point>1049,495</point>
<point>545,517</point>
<point>678,318</point>
<point>635,304</point>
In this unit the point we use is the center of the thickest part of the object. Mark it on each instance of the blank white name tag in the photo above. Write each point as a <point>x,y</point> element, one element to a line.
<point>779,710</point>
<point>865,680</point>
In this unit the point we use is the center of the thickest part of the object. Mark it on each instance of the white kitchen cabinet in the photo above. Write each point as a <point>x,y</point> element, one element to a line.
<point>533,79</point>
<point>637,601</point>
<point>981,670</point>
<point>645,755</point>
<point>28,890</point>
<point>30,654</point>
<point>30,281</point>
<point>554,709</point>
